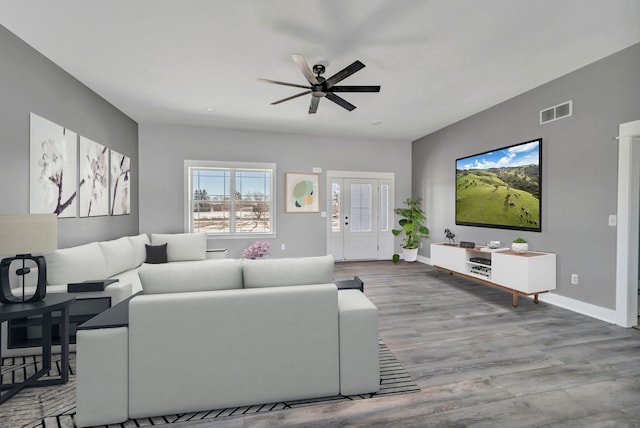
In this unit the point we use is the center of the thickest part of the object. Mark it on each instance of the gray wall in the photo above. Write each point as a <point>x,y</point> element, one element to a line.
<point>163,150</point>
<point>579,171</point>
<point>29,82</point>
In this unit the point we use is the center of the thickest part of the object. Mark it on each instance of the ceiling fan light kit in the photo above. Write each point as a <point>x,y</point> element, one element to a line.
<point>319,87</point>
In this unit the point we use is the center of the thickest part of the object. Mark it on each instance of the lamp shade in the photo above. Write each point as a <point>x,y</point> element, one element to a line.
<point>28,233</point>
<point>22,235</point>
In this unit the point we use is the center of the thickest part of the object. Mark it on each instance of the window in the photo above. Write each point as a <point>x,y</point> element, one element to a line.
<point>361,212</point>
<point>224,198</point>
<point>335,207</point>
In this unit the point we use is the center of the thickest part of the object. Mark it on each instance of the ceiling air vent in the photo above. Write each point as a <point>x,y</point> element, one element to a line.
<point>556,112</point>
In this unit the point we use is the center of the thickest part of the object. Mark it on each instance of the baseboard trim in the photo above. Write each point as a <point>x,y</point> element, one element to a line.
<point>593,311</point>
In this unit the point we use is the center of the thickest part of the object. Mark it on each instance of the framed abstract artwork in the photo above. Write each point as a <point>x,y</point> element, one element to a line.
<point>94,179</point>
<point>53,181</point>
<point>302,193</point>
<point>120,179</point>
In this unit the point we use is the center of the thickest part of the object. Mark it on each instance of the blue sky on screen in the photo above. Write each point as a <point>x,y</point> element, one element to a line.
<point>522,154</point>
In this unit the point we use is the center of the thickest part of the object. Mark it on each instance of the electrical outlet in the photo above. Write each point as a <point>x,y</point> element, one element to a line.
<point>574,278</point>
<point>282,246</point>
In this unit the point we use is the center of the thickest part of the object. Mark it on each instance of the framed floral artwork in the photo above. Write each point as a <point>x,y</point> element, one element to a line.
<point>120,179</point>
<point>302,193</point>
<point>53,181</point>
<point>94,178</point>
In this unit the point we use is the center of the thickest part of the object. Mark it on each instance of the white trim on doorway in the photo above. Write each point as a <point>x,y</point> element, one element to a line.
<point>628,239</point>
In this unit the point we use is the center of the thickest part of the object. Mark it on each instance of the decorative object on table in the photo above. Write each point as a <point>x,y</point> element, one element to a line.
<point>519,245</point>
<point>53,168</point>
<point>467,244</point>
<point>120,179</point>
<point>494,244</point>
<point>94,179</point>
<point>320,87</point>
<point>301,192</point>
<point>412,227</point>
<point>22,235</point>
<point>257,250</point>
<point>451,237</point>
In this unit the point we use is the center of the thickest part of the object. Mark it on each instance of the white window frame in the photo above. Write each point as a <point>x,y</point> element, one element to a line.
<point>188,193</point>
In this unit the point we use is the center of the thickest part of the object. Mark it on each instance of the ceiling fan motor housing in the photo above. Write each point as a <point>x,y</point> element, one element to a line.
<point>318,69</point>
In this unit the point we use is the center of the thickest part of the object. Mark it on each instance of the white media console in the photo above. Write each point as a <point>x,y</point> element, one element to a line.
<point>529,273</point>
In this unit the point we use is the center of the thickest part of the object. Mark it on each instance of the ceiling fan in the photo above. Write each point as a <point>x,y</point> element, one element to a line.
<point>320,87</point>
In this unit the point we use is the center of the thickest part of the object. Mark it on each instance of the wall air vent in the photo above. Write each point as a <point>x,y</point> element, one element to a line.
<point>556,112</point>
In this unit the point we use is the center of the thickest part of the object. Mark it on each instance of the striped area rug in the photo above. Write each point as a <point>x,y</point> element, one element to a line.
<point>54,406</point>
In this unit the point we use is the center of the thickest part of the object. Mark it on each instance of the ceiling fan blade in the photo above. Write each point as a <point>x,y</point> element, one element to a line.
<point>344,73</point>
<point>304,68</point>
<point>284,83</point>
<point>354,89</point>
<point>313,107</point>
<point>290,98</point>
<point>340,101</point>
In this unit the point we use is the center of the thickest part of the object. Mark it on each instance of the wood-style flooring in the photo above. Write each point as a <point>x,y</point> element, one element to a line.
<point>481,362</point>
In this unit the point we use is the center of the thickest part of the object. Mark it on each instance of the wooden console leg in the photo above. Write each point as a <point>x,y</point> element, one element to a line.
<point>515,299</point>
<point>535,298</point>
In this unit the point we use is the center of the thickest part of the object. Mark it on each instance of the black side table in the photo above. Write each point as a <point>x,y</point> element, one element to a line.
<point>351,284</point>
<point>45,308</point>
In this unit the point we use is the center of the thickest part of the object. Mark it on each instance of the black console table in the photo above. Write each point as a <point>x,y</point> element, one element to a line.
<point>42,312</point>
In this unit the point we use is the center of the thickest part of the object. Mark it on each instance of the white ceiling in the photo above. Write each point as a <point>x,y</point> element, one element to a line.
<point>438,61</point>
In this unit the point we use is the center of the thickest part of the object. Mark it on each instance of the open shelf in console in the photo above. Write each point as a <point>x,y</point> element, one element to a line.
<point>478,261</point>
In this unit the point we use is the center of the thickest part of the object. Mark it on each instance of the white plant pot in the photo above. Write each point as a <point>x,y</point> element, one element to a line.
<point>410,254</point>
<point>519,247</point>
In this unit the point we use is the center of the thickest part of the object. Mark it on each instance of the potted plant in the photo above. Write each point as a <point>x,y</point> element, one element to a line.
<point>412,227</point>
<point>519,245</point>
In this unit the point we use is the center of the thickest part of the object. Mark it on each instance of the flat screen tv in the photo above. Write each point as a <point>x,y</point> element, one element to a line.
<point>501,188</point>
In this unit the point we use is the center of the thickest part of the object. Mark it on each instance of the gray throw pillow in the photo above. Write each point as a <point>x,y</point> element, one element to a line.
<point>156,254</point>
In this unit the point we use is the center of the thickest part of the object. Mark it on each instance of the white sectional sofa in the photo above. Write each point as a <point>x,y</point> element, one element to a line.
<point>226,333</point>
<point>119,258</point>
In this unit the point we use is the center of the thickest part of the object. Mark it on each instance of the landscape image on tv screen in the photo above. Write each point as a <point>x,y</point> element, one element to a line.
<point>501,188</point>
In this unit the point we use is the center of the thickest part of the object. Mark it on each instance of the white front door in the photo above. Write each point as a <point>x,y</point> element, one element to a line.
<point>361,212</point>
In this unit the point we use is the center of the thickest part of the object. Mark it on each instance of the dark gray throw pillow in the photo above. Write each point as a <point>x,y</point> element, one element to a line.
<point>156,254</point>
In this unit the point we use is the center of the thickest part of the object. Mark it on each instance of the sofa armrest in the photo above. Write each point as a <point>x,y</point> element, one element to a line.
<point>359,362</point>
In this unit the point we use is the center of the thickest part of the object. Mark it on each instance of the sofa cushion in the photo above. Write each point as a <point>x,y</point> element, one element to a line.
<point>182,246</point>
<point>206,275</point>
<point>156,254</point>
<point>287,271</point>
<point>139,251</point>
<point>118,255</point>
<point>76,264</point>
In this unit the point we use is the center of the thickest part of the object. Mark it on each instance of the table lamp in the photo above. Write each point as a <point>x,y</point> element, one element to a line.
<point>23,235</point>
